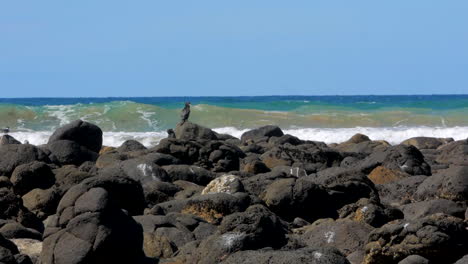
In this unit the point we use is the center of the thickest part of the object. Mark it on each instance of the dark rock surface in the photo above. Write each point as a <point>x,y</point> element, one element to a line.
<point>83,133</point>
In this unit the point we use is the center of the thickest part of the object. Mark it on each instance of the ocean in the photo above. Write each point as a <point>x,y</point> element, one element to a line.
<point>331,119</point>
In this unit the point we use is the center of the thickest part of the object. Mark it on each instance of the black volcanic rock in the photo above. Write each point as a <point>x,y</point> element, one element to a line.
<point>85,134</point>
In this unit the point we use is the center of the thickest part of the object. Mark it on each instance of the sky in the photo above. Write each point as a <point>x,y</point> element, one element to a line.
<point>230,48</point>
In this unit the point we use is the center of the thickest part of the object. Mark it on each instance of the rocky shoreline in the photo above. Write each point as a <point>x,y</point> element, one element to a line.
<point>203,197</point>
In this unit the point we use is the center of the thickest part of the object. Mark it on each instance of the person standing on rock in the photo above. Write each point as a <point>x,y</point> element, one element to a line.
<point>184,115</point>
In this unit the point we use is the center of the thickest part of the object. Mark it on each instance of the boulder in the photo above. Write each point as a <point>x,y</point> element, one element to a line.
<point>158,192</point>
<point>14,155</point>
<point>360,143</point>
<point>383,175</point>
<point>312,157</point>
<point>190,131</point>
<point>314,255</point>
<point>399,192</point>
<point>261,132</point>
<point>7,251</point>
<point>224,184</point>
<point>414,211</point>
<point>254,165</point>
<point>405,158</point>
<point>213,207</point>
<point>110,158</point>
<point>11,208</point>
<point>189,173</point>
<point>259,225</point>
<point>455,153</point>
<point>346,235</point>
<point>30,176</point>
<point>91,227</point>
<point>290,198</point>
<point>185,151</point>
<point>138,169</point>
<point>426,142</point>
<point>66,152</point>
<point>83,133</point>
<point>130,145</point>
<point>68,176</point>
<point>13,230</point>
<point>463,260</point>
<point>414,259</point>
<point>370,212</point>
<point>42,202</point>
<point>438,237</point>
<point>29,247</point>
<point>257,184</point>
<point>451,184</point>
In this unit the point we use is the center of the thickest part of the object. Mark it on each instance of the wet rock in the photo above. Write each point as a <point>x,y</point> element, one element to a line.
<point>30,176</point>
<point>438,237</point>
<point>224,184</point>
<point>83,133</point>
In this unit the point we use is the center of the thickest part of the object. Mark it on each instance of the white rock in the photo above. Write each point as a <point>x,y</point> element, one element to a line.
<point>224,184</point>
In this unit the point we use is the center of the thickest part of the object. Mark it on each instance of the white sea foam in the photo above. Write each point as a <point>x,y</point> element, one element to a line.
<point>394,135</point>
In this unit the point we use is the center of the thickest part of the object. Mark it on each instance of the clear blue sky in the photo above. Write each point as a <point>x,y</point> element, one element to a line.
<point>188,48</point>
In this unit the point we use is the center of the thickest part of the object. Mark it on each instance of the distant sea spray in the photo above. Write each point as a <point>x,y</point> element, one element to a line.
<point>323,118</point>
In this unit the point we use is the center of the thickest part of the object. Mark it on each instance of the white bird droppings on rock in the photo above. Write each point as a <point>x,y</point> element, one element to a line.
<point>230,239</point>
<point>147,170</point>
<point>330,236</point>
<point>317,255</point>
<point>364,209</point>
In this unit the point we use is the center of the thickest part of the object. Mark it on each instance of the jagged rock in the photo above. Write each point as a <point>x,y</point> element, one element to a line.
<point>224,184</point>
<point>83,133</point>
<point>438,237</point>
<point>186,151</point>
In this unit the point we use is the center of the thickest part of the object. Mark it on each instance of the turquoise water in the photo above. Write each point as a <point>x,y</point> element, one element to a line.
<point>160,113</point>
<point>326,118</point>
